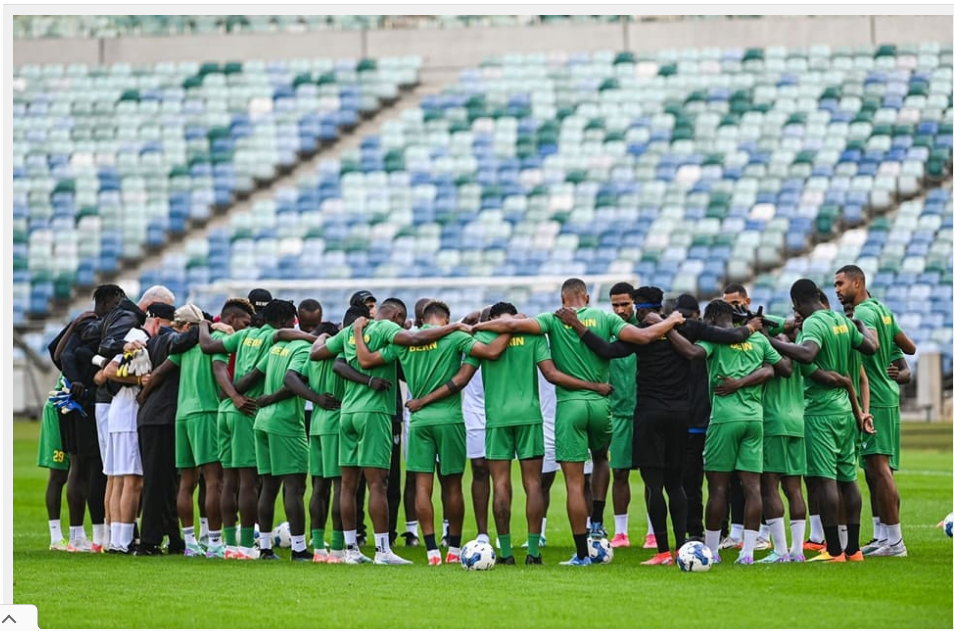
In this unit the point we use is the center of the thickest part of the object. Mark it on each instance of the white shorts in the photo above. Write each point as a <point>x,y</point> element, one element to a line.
<point>102,430</point>
<point>476,427</point>
<point>122,454</point>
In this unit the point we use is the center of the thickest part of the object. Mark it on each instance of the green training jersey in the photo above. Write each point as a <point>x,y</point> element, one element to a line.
<point>198,390</point>
<point>737,361</point>
<point>783,404</point>
<point>884,390</point>
<point>249,346</point>
<point>572,356</point>
<point>359,397</point>
<point>836,337</point>
<point>623,379</point>
<point>286,417</point>
<point>323,380</point>
<point>511,387</point>
<point>427,368</point>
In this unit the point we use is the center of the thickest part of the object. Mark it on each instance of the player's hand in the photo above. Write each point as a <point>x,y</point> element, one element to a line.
<point>100,377</point>
<point>77,390</point>
<point>134,345</point>
<point>379,384</point>
<point>859,324</point>
<point>675,316</point>
<point>360,323</point>
<point>867,424</point>
<point>466,328</point>
<point>244,404</point>
<point>758,326</point>
<point>222,327</point>
<point>727,385</point>
<point>893,372</point>
<point>327,401</point>
<point>653,318</point>
<point>142,396</point>
<point>567,316</point>
<point>144,379</point>
<point>414,405</point>
<point>603,389</point>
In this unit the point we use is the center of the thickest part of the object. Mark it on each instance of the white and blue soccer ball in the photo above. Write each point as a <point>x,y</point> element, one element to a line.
<point>694,556</point>
<point>600,549</point>
<point>281,536</point>
<point>949,525</point>
<point>477,555</point>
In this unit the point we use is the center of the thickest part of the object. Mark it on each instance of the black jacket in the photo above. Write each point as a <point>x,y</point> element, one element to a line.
<point>160,407</point>
<point>115,326</point>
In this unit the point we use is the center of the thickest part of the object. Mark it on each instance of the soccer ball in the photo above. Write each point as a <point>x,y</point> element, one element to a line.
<point>600,549</point>
<point>281,536</point>
<point>477,555</point>
<point>949,525</point>
<point>694,556</point>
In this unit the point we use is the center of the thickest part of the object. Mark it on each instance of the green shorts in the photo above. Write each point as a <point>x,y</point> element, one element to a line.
<point>830,447</point>
<point>280,455</point>
<point>51,454</point>
<point>365,440</point>
<point>887,438</point>
<point>425,444</point>
<point>581,425</point>
<point>621,447</point>
<point>733,446</point>
<point>323,456</point>
<point>236,440</point>
<point>196,441</point>
<point>526,441</point>
<point>784,455</point>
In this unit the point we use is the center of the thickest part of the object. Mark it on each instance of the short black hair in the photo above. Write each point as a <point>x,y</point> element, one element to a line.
<point>823,298</point>
<point>310,305</point>
<point>233,305</point>
<point>648,295</point>
<point>277,312</point>
<point>354,312</point>
<point>107,292</point>
<point>735,288</point>
<point>326,327</point>
<point>501,308</point>
<point>717,308</point>
<point>573,286</point>
<point>621,288</point>
<point>436,307</point>
<point>804,291</point>
<point>395,303</point>
<point>853,272</point>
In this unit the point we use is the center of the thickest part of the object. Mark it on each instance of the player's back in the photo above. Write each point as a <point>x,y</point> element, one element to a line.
<point>572,356</point>
<point>511,393</point>
<point>836,337</point>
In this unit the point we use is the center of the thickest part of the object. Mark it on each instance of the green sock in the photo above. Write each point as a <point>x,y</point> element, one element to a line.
<point>506,550</point>
<point>337,540</point>
<point>533,545</point>
<point>229,532</point>
<point>247,535</point>
<point>318,538</point>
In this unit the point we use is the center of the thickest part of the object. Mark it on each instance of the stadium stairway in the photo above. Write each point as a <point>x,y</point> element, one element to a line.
<point>128,276</point>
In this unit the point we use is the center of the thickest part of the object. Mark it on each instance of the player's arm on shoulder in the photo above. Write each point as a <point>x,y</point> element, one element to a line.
<point>320,351</point>
<point>208,345</point>
<point>645,335</point>
<point>491,351</point>
<point>782,366</point>
<point>455,384</point>
<point>366,359</point>
<point>720,335</point>
<point>869,339</point>
<point>426,336</point>
<point>803,353</point>
<point>558,378</point>
<point>156,378</point>
<point>684,347</point>
<point>181,342</point>
<point>292,335</point>
<point>513,325</point>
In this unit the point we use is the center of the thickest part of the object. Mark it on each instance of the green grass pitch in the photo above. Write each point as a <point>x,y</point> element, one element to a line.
<point>128,592</point>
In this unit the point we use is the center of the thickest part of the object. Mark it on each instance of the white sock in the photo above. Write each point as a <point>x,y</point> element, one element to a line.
<point>842,535</point>
<point>712,540</point>
<point>77,533</point>
<point>877,533</point>
<point>351,538</point>
<point>382,542</point>
<point>203,527</point>
<point>107,534</point>
<point>748,543</point>
<point>777,528</point>
<point>446,528</point>
<point>126,535</point>
<point>816,533</point>
<point>798,537</point>
<point>765,531</point>
<point>736,532</point>
<point>412,527</point>
<point>649,526</point>
<point>215,537</point>
<point>543,528</point>
<point>56,532</point>
<point>589,524</point>
<point>483,538</point>
<point>189,535</point>
<point>99,533</point>
<point>265,541</point>
<point>238,532</point>
<point>115,534</point>
<point>298,543</point>
<point>622,524</point>
<point>892,533</point>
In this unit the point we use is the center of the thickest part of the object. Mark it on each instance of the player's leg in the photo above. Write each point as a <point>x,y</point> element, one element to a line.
<point>52,456</point>
<point>752,517</point>
<point>877,538</point>
<point>693,476</point>
<point>374,457</point>
<point>394,478</point>
<point>480,494</point>
<point>792,487</point>
<point>821,449</point>
<point>212,472</point>
<point>621,461</point>
<point>228,501</point>
<point>248,505</point>
<point>129,507</point>
<point>599,434</point>
<point>747,441</point>
<point>503,496</point>
<point>349,514</point>
<point>410,509</point>
<point>267,496</point>
<point>188,479</point>
<point>451,441</point>
<point>532,485</point>
<point>718,485</point>
<point>114,492</point>
<point>54,503</point>
<point>319,504</point>
<point>294,484</point>
<point>576,508</point>
<point>337,526</point>
<point>676,435</point>
<point>425,515</point>
<point>772,508</point>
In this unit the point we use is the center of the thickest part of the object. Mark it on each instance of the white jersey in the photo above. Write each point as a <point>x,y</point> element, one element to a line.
<point>124,408</point>
<point>475,418</point>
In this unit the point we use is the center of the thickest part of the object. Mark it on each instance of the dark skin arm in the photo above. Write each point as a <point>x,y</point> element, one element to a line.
<point>220,370</point>
<point>110,371</point>
<point>899,371</point>
<point>248,380</point>
<point>296,384</point>
<point>181,342</point>
<point>595,343</point>
<point>159,375</point>
<point>835,380</point>
<point>728,385</point>
<point>869,346</point>
<point>366,359</point>
<point>346,371</point>
<point>292,335</point>
<point>684,347</point>
<point>905,344</point>
<point>803,353</point>
<point>490,351</point>
<point>558,378</point>
<point>426,336</point>
<point>279,395</point>
<point>206,343</point>
<point>460,380</point>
